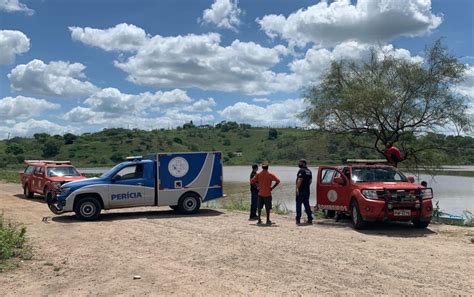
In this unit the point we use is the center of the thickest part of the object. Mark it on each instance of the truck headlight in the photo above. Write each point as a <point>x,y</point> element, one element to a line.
<point>64,191</point>
<point>426,193</point>
<point>370,194</point>
<point>56,184</point>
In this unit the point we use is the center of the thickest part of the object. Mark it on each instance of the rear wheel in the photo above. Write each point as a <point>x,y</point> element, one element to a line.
<point>87,209</point>
<point>420,224</point>
<point>26,192</point>
<point>357,220</point>
<point>189,203</point>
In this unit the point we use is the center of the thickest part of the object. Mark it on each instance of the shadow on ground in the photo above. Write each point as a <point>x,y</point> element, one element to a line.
<point>389,229</point>
<point>134,215</point>
<point>36,198</point>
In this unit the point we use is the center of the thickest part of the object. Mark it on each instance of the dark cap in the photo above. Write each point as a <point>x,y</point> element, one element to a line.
<point>303,161</point>
<point>254,166</point>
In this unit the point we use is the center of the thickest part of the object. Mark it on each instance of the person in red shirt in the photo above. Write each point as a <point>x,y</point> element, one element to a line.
<point>393,155</point>
<point>264,181</point>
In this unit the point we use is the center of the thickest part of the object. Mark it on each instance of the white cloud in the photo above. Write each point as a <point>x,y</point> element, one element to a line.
<point>123,37</point>
<point>368,21</point>
<point>194,61</point>
<point>19,108</point>
<point>223,13</point>
<point>261,100</point>
<point>32,126</point>
<point>466,88</point>
<point>202,105</point>
<point>12,43</point>
<point>112,102</point>
<point>15,6</point>
<point>283,113</point>
<point>309,69</point>
<point>58,78</point>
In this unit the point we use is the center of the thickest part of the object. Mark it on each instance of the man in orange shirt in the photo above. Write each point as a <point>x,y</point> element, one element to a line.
<point>264,181</point>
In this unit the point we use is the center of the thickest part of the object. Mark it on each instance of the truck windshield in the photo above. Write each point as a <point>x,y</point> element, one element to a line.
<point>63,171</point>
<point>376,174</point>
<point>111,171</point>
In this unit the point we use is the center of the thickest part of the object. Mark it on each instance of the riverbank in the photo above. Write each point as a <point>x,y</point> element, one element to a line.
<point>219,252</point>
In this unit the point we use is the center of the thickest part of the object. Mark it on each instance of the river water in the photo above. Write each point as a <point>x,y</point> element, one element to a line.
<point>455,194</point>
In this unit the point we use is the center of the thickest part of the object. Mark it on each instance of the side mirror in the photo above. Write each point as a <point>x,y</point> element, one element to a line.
<point>411,179</point>
<point>340,180</point>
<point>83,174</point>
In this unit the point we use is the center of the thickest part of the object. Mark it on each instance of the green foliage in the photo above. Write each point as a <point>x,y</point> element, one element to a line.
<point>392,100</point>
<point>69,138</point>
<point>12,242</point>
<point>14,148</point>
<point>272,134</point>
<point>51,148</point>
<point>108,147</point>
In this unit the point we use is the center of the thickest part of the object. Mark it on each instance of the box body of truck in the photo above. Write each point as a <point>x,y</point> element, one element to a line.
<point>179,180</point>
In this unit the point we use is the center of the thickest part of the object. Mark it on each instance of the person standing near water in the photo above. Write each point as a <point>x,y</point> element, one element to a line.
<point>303,184</point>
<point>264,180</point>
<point>253,194</point>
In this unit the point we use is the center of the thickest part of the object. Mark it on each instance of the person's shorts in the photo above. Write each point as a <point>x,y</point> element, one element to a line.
<point>265,201</point>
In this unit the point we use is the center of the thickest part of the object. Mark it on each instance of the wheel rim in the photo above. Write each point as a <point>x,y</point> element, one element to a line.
<point>189,204</point>
<point>354,214</point>
<point>88,209</point>
<point>27,191</point>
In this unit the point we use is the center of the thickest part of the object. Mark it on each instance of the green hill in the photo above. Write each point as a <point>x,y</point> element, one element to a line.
<point>240,144</point>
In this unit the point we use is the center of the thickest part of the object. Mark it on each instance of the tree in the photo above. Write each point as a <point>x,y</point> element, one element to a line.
<point>272,134</point>
<point>14,148</point>
<point>69,138</point>
<point>51,148</point>
<point>391,99</point>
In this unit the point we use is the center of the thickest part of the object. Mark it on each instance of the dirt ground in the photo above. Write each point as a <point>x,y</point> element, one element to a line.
<point>221,253</point>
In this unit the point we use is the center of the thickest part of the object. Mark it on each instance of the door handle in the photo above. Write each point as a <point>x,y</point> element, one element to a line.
<point>140,184</point>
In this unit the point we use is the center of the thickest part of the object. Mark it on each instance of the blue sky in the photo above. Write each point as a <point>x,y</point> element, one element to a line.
<point>81,66</point>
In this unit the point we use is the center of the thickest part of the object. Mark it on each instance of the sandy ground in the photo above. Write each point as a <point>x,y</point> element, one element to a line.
<point>221,253</point>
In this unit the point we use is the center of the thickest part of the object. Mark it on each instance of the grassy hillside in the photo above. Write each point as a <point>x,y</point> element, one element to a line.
<point>240,144</point>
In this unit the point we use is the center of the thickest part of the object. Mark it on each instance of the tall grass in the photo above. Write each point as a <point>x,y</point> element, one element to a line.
<point>8,175</point>
<point>13,243</point>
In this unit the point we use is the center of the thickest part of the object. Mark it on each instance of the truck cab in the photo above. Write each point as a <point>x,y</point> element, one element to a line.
<point>44,177</point>
<point>372,191</point>
<point>179,180</point>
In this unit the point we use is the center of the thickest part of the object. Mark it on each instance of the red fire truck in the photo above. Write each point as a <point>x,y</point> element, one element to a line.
<point>371,190</point>
<point>44,177</point>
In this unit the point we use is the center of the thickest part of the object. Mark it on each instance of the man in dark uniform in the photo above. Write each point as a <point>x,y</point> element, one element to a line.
<point>253,194</point>
<point>303,184</point>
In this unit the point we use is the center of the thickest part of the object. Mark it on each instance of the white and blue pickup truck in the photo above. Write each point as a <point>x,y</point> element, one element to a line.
<point>179,180</point>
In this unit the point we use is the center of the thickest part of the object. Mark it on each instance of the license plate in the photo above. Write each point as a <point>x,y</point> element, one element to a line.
<point>402,212</point>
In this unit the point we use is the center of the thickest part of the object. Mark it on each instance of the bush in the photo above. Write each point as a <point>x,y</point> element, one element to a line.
<point>51,148</point>
<point>14,148</point>
<point>116,157</point>
<point>226,142</point>
<point>69,138</point>
<point>178,140</point>
<point>272,134</point>
<point>12,242</point>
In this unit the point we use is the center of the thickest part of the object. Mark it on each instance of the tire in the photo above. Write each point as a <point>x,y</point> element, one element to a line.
<point>357,221</point>
<point>189,203</point>
<point>420,224</point>
<point>48,196</point>
<point>174,207</point>
<point>27,193</point>
<point>88,209</point>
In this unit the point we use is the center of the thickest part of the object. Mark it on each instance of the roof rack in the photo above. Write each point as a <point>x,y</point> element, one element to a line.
<point>47,162</point>
<point>366,161</point>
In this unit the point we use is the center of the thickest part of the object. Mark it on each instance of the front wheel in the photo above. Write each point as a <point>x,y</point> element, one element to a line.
<point>26,192</point>
<point>87,209</point>
<point>189,203</point>
<point>357,220</point>
<point>420,224</point>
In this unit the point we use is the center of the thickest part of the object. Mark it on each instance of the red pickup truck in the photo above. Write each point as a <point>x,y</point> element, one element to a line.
<point>44,177</point>
<point>369,191</point>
